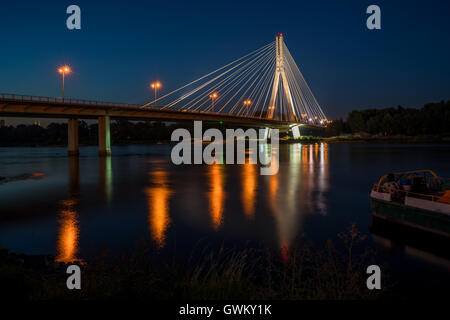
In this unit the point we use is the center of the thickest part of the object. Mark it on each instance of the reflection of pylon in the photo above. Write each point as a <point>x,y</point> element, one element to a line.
<point>280,72</point>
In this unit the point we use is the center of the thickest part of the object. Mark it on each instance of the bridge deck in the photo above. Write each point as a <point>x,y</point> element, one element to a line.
<point>12,105</point>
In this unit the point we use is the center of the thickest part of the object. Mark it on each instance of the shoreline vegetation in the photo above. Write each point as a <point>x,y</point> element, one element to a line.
<point>301,272</point>
<point>430,124</point>
<point>355,138</point>
<point>359,137</point>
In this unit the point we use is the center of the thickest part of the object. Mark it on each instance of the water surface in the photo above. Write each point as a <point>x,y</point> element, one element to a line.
<point>74,208</point>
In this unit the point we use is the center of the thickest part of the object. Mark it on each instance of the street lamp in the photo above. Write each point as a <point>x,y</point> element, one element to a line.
<point>213,96</point>
<point>247,103</point>
<point>155,85</point>
<point>64,70</point>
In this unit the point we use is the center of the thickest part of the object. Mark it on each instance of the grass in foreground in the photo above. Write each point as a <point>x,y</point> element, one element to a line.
<point>303,272</point>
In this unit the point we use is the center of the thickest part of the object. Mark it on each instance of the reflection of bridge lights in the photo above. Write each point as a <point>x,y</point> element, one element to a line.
<point>106,177</point>
<point>68,236</point>
<point>158,202</point>
<point>249,183</point>
<point>216,195</point>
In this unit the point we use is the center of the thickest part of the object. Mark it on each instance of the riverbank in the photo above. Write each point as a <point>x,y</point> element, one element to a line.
<point>302,272</point>
<point>356,138</point>
<point>367,138</point>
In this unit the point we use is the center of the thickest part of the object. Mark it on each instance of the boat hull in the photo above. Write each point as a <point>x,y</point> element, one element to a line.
<point>435,222</point>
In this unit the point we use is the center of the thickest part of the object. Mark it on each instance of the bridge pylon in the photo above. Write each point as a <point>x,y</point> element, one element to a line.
<point>280,74</point>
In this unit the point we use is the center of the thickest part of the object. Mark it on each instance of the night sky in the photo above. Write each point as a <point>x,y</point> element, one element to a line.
<point>124,45</point>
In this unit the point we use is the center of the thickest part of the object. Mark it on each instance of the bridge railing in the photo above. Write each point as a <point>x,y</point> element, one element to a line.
<point>28,98</point>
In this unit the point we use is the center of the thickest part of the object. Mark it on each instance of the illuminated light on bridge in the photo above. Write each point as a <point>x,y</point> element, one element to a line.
<point>155,85</point>
<point>213,97</point>
<point>247,104</point>
<point>64,70</point>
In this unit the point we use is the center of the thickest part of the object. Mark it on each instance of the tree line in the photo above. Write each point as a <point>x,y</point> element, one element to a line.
<point>431,119</point>
<point>122,131</point>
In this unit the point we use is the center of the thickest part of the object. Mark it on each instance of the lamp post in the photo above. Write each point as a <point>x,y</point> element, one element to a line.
<point>155,85</point>
<point>64,70</point>
<point>213,96</point>
<point>247,103</point>
<point>271,110</point>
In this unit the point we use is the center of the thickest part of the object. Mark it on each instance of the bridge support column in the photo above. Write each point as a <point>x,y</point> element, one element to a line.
<point>72,137</point>
<point>104,140</point>
<point>267,132</point>
<point>296,132</point>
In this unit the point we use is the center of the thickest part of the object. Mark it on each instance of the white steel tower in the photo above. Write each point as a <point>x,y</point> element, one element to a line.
<point>280,73</point>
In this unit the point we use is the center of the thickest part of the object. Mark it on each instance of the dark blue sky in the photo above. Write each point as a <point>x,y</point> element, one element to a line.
<point>124,45</point>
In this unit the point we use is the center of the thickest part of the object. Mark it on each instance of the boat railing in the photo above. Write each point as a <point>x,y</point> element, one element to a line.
<point>431,197</point>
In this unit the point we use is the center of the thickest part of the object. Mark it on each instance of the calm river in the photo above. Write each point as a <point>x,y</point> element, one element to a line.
<point>73,208</point>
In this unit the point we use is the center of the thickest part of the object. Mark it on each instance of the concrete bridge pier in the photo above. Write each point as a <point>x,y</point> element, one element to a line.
<point>72,137</point>
<point>104,137</point>
<point>267,132</point>
<point>296,132</point>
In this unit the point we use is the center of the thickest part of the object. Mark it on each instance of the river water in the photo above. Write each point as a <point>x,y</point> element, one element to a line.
<point>73,208</point>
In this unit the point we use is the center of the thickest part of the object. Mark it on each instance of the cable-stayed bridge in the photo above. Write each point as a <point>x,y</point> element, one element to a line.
<point>264,88</point>
<point>265,83</point>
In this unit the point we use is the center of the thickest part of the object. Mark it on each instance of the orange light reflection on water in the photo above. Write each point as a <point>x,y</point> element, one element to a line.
<point>158,198</point>
<point>68,237</point>
<point>249,185</point>
<point>216,194</point>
